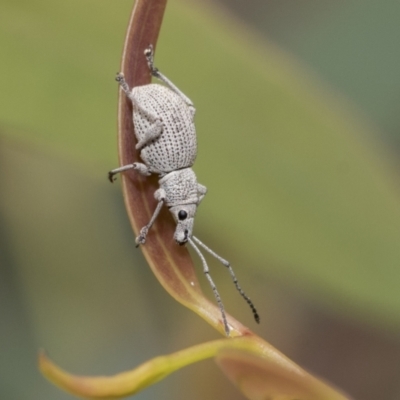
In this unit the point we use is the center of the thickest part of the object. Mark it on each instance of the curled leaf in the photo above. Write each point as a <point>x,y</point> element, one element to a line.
<point>170,263</point>
<point>271,376</point>
<point>130,382</point>
<point>260,371</point>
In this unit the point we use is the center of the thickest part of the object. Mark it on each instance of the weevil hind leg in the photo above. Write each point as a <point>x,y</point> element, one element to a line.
<point>233,276</point>
<point>149,53</point>
<point>120,78</point>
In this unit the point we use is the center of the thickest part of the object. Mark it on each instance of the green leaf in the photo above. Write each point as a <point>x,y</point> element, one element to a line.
<point>255,366</point>
<point>271,377</point>
<point>315,198</point>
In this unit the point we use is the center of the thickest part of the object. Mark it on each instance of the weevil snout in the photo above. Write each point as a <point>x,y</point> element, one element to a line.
<point>184,218</point>
<point>182,234</point>
<point>181,240</point>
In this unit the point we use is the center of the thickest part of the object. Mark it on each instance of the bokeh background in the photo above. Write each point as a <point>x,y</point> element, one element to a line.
<point>298,128</point>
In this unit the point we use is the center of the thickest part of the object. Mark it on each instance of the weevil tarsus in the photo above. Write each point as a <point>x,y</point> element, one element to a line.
<point>157,74</point>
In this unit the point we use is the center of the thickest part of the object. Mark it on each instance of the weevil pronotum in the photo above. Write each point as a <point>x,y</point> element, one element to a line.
<point>163,120</point>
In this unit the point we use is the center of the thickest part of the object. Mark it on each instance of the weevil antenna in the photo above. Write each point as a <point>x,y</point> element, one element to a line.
<point>235,281</point>
<point>213,287</point>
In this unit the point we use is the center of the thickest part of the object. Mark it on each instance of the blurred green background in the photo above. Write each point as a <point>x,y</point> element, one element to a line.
<point>298,128</point>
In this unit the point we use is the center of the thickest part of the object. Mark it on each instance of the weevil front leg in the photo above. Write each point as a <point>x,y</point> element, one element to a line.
<point>149,53</point>
<point>201,191</point>
<point>155,129</point>
<point>159,195</point>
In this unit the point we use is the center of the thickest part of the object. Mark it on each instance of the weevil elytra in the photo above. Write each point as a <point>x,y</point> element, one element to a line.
<point>163,118</point>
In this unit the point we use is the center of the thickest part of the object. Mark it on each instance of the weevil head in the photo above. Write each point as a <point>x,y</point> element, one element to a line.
<point>184,218</point>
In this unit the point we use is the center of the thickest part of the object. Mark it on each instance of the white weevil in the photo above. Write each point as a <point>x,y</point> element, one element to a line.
<point>164,128</point>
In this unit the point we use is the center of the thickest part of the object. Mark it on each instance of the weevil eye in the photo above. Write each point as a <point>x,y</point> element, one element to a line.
<point>182,215</point>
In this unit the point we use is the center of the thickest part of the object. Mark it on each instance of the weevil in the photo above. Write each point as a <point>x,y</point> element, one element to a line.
<point>163,118</point>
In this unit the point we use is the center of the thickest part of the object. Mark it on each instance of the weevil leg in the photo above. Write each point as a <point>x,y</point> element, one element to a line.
<point>120,78</point>
<point>156,129</point>
<point>160,196</point>
<point>149,53</point>
<point>202,191</point>
<point>139,167</point>
<point>141,239</point>
<point>154,132</point>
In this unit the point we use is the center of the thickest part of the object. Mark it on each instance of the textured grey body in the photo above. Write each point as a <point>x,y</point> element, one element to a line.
<point>180,187</point>
<point>164,128</point>
<point>176,147</point>
<point>166,139</point>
